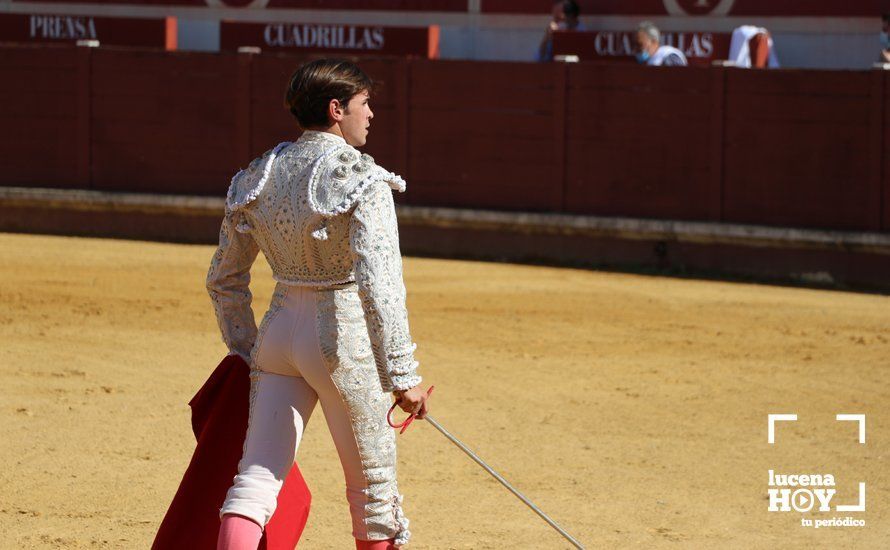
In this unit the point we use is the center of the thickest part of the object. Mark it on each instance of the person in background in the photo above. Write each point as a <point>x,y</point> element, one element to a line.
<point>885,39</point>
<point>565,18</point>
<point>752,47</point>
<point>651,52</point>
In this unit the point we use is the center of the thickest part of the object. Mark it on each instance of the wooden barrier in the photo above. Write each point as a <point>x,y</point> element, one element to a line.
<point>163,122</point>
<point>637,142</point>
<point>483,135</point>
<point>821,257</point>
<point>44,116</point>
<point>797,149</point>
<point>787,148</point>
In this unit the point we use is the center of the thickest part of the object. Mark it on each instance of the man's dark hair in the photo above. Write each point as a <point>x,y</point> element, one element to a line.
<point>886,17</point>
<point>313,86</point>
<point>570,8</point>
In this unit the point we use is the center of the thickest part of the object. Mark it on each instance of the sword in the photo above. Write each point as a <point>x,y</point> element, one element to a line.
<point>504,482</point>
<point>404,425</point>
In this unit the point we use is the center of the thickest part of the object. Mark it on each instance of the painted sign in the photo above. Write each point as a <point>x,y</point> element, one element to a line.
<point>115,31</point>
<point>700,48</point>
<point>340,5</point>
<point>332,38</point>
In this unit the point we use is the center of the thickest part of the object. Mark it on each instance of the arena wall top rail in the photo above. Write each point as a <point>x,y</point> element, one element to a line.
<point>788,148</point>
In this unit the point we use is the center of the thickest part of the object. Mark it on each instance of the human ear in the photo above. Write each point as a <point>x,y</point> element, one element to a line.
<point>335,110</point>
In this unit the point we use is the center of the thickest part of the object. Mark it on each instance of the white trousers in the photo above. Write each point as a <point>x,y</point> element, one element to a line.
<point>313,345</point>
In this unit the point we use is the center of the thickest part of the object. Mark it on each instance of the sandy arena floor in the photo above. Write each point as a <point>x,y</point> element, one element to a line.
<point>633,409</point>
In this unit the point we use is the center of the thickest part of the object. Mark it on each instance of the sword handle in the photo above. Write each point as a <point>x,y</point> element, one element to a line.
<point>407,422</point>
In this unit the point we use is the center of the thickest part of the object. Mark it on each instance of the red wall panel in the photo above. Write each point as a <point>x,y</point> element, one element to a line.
<point>637,141</point>
<point>481,135</point>
<point>39,116</point>
<point>787,148</point>
<point>163,122</point>
<point>796,149</point>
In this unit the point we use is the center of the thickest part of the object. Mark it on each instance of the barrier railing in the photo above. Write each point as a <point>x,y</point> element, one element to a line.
<point>791,148</point>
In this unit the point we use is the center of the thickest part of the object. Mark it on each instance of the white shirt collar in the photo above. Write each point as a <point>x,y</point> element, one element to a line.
<point>316,135</point>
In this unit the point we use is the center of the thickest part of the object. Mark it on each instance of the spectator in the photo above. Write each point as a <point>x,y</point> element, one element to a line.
<point>565,18</point>
<point>752,47</point>
<point>885,39</point>
<point>651,52</point>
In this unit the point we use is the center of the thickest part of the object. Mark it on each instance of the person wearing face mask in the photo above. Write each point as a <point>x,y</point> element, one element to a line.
<point>565,18</point>
<point>652,53</point>
<point>885,39</point>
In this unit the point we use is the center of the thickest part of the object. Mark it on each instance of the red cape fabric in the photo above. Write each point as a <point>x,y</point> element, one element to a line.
<point>219,421</point>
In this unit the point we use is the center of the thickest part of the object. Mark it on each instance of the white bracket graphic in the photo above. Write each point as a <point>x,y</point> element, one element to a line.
<point>771,428</point>
<point>854,507</point>
<point>855,418</point>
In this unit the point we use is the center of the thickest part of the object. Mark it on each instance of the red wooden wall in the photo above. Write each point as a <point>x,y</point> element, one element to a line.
<point>798,148</point>
<point>483,135</point>
<point>788,148</point>
<point>42,140</point>
<point>637,142</point>
<point>163,123</point>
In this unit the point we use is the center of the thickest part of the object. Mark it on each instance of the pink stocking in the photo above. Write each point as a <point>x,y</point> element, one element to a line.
<point>374,544</point>
<point>238,533</point>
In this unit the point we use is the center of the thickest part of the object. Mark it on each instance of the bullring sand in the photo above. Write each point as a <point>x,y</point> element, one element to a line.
<point>631,408</point>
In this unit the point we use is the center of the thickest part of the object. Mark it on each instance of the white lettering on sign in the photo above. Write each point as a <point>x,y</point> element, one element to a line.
<point>62,27</point>
<point>691,44</point>
<point>282,35</point>
<point>619,44</point>
<point>613,44</point>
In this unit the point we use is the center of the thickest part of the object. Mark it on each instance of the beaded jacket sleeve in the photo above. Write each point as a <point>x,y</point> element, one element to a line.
<point>228,281</point>
<point>374,241</point>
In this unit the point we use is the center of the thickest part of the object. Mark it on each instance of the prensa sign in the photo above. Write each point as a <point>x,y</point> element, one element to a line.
<point>115,31</point>
<point>332,38</point>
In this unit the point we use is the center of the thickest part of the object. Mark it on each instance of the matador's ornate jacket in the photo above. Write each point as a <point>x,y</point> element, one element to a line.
<point>323,215</point>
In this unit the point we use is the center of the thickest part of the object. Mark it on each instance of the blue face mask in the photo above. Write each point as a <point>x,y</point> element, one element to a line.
<point>643,57</point>
<point>885,41</point>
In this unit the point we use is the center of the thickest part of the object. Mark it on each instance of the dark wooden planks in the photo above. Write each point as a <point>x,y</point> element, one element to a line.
<point>796,149</point>
<point>787,148</point>
<point>481,135</point>
<point>39,116</point>
<point>638,141</point>
<point>164,122</point>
